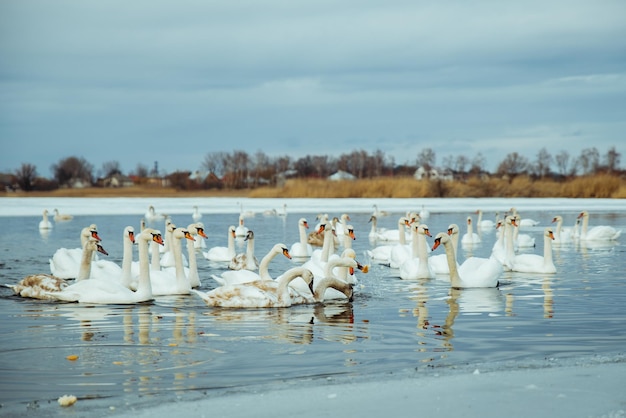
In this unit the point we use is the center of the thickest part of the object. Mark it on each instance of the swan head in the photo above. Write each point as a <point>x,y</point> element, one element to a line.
<point>231,231</point>
<point>423,229</point>
<point>557,218</point>
<point>197,228</point>
<point>303,222</point>
<point>281,249</point>
<point>94,245</point>
<point>349,230</point>
<point>129,232</point>
<point>150,234</point>
<point>469,220</point>
<point>91,232</point>
<point>548,232</point>
<point>583,214</point>
<point>249,235</point>
<point>440,238</point>
<point>453,229</point>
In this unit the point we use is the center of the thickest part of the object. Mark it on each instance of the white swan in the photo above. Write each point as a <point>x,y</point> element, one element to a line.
<point>241,230</point>
<point>439,262</point>
<point>65,262</point>
<point>533,263</point>
<point>399,234</point>
<point>45,222</point>
<point>320,256</point>
<point>196,215</point>
<point>246,260</point>
<point>484,224</point>
<point>301,249</point>
<point>338,268</point>
<point>562,236</point>
<point>597,233</point>
<point>167,256</point>
<point>196,230</point>
<point>348,236</point>
<point>424,213</point>
<point>341,223</point>
<point>244,276</point>
<point>61,217</point>
<point>374,229</point>
<point>486,276</point>
<point>522,240</point>
<point>111,292</point>
<point>173,281</point>
<point>470,237</point>
<point>379,213</point>
<point>151,215</point>
<point>316,237</point>
<point>223,254</point>
<point>260,293</point>
<point>109,270</point>
<point>418,266</point>
<point>523,221</point>
<point>509,249</point>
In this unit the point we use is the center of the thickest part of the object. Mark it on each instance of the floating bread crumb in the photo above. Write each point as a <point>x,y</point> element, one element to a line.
<point>67,400</point>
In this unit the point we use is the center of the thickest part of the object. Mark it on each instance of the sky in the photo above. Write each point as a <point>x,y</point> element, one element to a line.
<point>144,81</point>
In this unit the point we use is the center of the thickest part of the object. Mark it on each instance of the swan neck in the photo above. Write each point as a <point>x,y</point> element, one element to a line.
<point>144,286</point>
<point>455,279</point>
<point>127,260</point>
<point>85,264</point>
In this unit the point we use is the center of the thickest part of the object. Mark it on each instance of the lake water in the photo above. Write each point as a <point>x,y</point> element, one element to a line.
<point>178,348</point>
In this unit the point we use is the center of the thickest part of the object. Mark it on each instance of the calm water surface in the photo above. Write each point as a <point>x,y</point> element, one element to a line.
<point>177,346</point>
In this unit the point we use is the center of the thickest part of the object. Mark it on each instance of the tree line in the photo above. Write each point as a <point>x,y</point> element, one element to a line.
<point>239,169</point>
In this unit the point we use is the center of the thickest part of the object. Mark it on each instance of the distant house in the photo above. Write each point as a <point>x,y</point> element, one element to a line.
<point>116,180</point>
<point>433,174</point>
<point>341,175</point>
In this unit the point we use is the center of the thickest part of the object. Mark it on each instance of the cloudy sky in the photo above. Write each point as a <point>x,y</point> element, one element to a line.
<point>142,81</point>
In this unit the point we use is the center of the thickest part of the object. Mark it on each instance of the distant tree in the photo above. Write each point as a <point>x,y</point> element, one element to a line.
<point>513,165</point>
<point>214,163</point>
<point>542,164</point>
<point>589,160</point>
<point>612,160</point>
<point>111,168</point>
<point>562,162</point>
<point>426,158</point>
<point>141,171</point>
<point>26,176</point>
<point>72,169</point>
<point>461,163</point>
<point>283,164</point>
<point>478,164</point>
<point>321,166</point>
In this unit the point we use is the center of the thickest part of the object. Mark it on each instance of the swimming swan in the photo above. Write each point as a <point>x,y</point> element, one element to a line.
<point>597,233</point>
<point>111,292</point>
<point>244,276</point>
<point>260,293</point>
<point>223,254</point>
<point>534,263</point>
<point>486,276</point>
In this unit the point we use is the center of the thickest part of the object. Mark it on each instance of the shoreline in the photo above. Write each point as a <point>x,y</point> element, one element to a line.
<point>586,386</point>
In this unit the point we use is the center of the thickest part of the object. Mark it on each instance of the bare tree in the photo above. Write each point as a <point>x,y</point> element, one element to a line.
<point>589,160</point>
<point>141,171</point>
<point>478,164</point>
<point>562,161</point>
<point>214,163</point>
<point>72,169</point>
<point>612,160</point>
<point>461,163</point>
<point>542,164</point>
<point>513,165</point>
<point>26,176</point>
<point>426,158</point>
<point>111,168</point>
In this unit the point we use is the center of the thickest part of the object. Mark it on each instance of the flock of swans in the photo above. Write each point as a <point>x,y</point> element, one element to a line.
<point>326,260</point>
<point>406,252</point>
<point>80,275</point>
